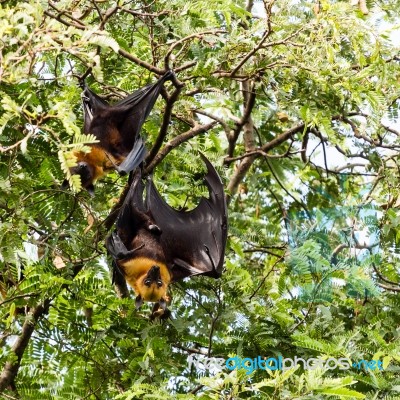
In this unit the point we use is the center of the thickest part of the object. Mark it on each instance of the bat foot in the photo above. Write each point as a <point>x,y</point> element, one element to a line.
<point>159,312</point>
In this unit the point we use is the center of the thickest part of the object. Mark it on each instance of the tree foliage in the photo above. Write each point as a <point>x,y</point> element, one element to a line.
<point>296,103</point>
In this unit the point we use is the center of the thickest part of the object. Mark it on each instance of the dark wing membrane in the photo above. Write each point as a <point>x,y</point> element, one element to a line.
<point>92,103</point>
<point>116,247</point>
<point>194,241</point>
<point>134,158</point>
<point>118,126</point>
<point>128,219</point>
<point>127,225</point>
<point>131,113</point>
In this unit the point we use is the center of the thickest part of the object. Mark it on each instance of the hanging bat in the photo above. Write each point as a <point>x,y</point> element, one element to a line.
<point>154,244</point>
<point>117,128</point>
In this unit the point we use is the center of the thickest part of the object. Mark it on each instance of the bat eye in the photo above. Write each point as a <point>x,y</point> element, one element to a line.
<point>147,282</point>
<point>159,283</point>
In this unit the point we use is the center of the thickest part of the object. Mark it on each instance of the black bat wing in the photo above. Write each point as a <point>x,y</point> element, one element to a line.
<point>92,103</point>
<point>193,241</point>
<point>129,221</point>
<point>118,126</point>
<point>131,113</point>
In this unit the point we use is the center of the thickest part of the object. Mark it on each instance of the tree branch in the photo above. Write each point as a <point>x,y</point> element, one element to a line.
<point>175,142</point>
<point>11,368</point>
<point>198,35</point>
<point>140,62</point>
<point>245,165</point>
<point>164,126</point>
<point>249,96</point>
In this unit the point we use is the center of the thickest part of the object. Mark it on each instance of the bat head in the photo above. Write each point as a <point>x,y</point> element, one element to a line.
<point>151,286</point>
<point>87,175</point>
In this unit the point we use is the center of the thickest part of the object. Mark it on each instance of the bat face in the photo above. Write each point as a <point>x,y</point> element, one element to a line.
<point>152,286</point>
<point>92,166</point>
<point>86,173</point>
<point>148,278</point>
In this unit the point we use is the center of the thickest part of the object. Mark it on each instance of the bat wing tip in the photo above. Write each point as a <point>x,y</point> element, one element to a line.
<point>169,75</point>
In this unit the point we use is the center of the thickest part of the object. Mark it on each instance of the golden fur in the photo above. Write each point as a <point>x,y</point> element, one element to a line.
<point>99,160</point>
<point>136,270</point>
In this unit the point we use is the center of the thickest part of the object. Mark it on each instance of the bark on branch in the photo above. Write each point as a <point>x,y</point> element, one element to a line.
<point>248,137</point>
<point>11,368</point>
<point>249,96</point>
<point>175,142</point>
<point>164,127</point>
<point>246,163</point>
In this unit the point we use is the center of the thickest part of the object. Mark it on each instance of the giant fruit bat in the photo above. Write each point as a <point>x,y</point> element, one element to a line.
<point>117,127</point>
<point>154,244</point>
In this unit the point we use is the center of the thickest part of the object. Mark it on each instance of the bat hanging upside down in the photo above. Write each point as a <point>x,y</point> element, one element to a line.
<point>117,127</point>
<point>154,244</point>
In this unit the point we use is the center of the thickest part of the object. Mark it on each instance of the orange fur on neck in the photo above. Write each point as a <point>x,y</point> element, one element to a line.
<point>98,159</point>
<point>136,270</point>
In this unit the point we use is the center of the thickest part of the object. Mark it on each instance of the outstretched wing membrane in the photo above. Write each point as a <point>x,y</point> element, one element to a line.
<point>193,241</point>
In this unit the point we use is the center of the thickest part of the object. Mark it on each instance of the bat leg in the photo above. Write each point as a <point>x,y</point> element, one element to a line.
<point>117,248</point>
<point>163,304</point>
<point>129,253</point>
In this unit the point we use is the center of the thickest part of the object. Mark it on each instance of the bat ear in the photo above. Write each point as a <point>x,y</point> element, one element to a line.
<point>138,301</point>
<point>90,189</point>
<point>64,185</point>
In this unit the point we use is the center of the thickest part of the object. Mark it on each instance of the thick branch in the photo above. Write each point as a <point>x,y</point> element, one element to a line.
<point>185,66</point>
<point>144,14</point>
<point>140,62</point>
<point>245,165</point>
<point>393,289</point>
<point>380,276</point>
<point>11,368</point>
<point>215,118</point>
<point>283,137</point>
<point>164,127</point>
<point>249,140</point>
<point>267,33</point>
<point>249,96</point>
